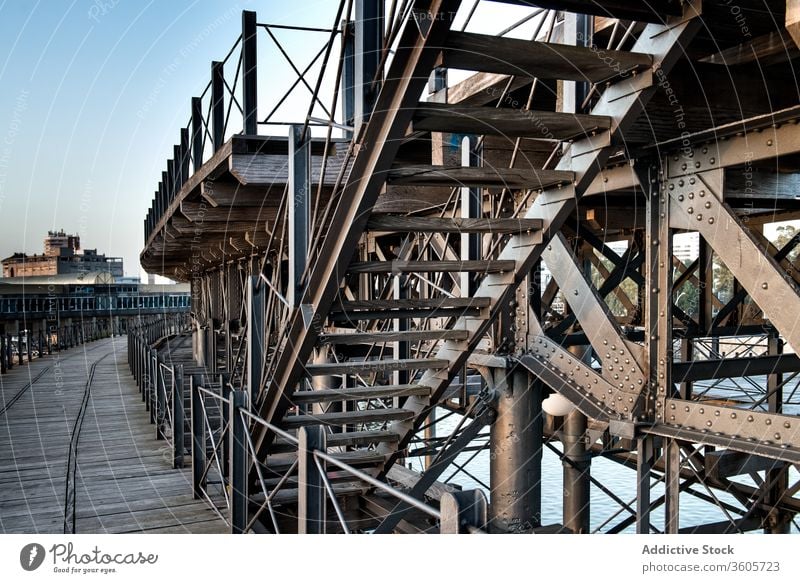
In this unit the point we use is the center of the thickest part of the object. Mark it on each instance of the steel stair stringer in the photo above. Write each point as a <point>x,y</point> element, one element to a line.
<point>417,51</point>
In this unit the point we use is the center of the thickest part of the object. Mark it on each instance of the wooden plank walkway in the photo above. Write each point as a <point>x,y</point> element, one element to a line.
<point>123,478</point>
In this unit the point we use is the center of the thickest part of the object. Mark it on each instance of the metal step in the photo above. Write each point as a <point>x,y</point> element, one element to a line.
<point>510,56</point>
<point>373,366</point>
<point>500,226</point>
<point>344,439</point>
<point>351,311</point>
<point>393,336</point>
<point>513,123</point>
<point>358,393</point>
<point>346,418</point>
<point>290,495</point>
<point>477,266</point>
<point>478,177</point>
<point>362,457</point>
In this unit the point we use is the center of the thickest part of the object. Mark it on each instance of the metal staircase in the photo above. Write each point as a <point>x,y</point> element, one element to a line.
<point>369,367</point>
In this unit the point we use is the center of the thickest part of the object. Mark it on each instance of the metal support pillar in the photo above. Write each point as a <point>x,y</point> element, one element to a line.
<point>238,463</point>
<point>515,460</point>
<point>672,479</point>
<point>299,210</point>
<point>658,314</point>
<point>255,336</point>
<point>777,479</point>
<point>645,459</point>
<point>249,73</point>
<point>577,464</point>
<point>369,26</point>
<point>217,105</point>
<point>311,500</point>
<point>471,203</point>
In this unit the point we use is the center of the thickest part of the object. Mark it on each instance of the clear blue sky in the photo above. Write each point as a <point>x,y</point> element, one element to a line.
<point>93,94</point>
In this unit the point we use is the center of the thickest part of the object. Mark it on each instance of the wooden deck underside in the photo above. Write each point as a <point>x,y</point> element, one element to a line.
<point>124,479</point>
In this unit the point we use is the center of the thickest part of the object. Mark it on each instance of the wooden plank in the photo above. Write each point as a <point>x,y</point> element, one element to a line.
<point>201,212</point>
<point>510,56</point>
<point>394,223</point>
<point>374,366</point>
<point>393,336</point>
<point>358,393</point>
<point>123,480</point>
<point>545,125</point>
<point>482,177</point>
<point>653,11</point>
<point>477,266</point>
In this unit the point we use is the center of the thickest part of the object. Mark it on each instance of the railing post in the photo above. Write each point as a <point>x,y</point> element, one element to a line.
<point>462,510</point>
<point>311,494</point>
<point>249,73</point>
<point>2,354</point>
<point>299,209</point>
<point>159,401</point>
<point>226,393</point>
<point>184,165</point>
<point>238,463</point>
<point>217,105</point>
<point>198,440</point>
<point>177,418</point>
<point>255,336</point>
<point>151,397</point>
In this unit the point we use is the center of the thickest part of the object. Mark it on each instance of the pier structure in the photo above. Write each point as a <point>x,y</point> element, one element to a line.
<point>416,273</point>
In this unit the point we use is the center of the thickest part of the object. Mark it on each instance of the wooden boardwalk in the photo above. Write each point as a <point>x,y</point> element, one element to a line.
<point>121,479</point>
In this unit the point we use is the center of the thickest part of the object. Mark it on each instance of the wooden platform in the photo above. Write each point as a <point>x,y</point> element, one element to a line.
<point>124,481</point>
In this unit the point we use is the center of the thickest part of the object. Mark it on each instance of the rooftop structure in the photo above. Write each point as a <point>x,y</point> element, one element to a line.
<point>62,255</point>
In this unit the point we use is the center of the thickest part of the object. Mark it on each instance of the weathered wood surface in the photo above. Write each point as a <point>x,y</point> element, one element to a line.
<point>124,479</point>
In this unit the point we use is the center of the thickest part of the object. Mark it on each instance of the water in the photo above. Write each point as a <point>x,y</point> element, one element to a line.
<point>618,479</point>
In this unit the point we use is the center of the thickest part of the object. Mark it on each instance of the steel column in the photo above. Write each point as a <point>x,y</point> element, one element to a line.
<point>577,464</point>
<point>299,210</point>
<point>471,208</point>
<point>369,26</point>
<point>515,460</point>
<point>237,473</point>
<point>255,335</point>
<point>311,501</point>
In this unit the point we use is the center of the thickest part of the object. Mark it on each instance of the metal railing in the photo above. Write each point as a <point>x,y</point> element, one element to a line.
<point>225,464</point>
<point>32,345</point>
<point>160,381</point>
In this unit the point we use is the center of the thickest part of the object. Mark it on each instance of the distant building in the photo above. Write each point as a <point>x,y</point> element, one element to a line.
<point>62,254</point>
